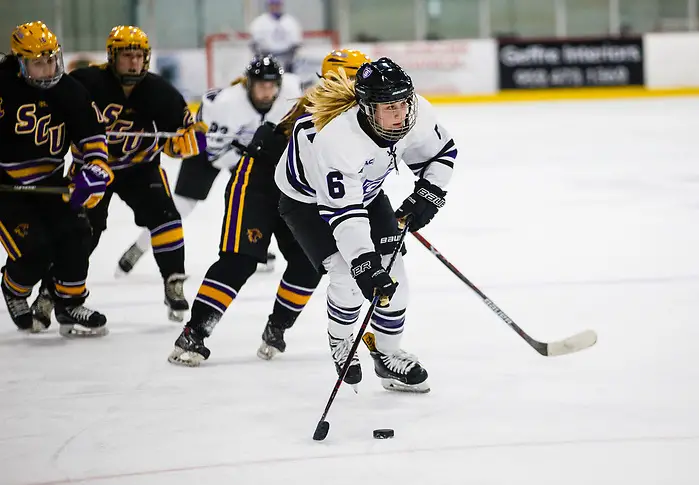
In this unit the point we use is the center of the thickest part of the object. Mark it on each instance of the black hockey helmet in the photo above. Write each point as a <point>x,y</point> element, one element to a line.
<point>263,68</point>
<point>385,82</point>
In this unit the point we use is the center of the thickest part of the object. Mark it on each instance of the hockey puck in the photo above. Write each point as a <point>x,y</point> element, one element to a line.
<point>383,434</point>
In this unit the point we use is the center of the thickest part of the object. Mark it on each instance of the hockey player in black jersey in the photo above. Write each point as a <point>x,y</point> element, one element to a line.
<point>132,100</point>
<point>43,110</point>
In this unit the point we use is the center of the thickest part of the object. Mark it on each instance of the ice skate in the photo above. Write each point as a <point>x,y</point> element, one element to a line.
<point>272,340</point>
<point>189,349</point>
<point>41,311</point>
<point>174,297</point>
<point>267,267</point>
<point>340,349</point>
<point>80,321</point>
<point>128,260</point>
<point>400,371</point>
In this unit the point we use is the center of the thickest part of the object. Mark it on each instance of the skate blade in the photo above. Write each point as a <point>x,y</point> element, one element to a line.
<point>78,331</point>
<point>185,358</point>
<point>267,352</point>
<point>120,273</point>
<point>176,315</point>
<point>265,268</point>
<point>394,385</point>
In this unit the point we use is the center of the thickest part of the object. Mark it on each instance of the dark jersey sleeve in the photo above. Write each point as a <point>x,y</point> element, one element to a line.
<point>172,112</point>
<point>83,120</point>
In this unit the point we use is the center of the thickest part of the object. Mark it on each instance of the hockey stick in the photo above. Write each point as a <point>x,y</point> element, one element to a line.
<point>38,189</point>
<point>172,134</point>
<point>324,426</point>
<point>575,343</point>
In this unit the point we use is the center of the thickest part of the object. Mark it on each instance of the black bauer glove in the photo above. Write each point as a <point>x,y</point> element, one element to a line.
<point>267,143</point>
<point>372,278</point>
<point>422,204</point>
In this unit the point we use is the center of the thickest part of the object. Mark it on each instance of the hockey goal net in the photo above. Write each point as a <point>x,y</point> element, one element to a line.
<point>228,53</point>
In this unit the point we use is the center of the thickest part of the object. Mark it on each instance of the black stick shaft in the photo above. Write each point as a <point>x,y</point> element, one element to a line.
<point>37,189</point>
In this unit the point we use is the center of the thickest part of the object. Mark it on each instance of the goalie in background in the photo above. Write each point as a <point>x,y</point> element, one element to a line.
<point>276,33</point>
<point>43,110</point>
<point>251,214</point>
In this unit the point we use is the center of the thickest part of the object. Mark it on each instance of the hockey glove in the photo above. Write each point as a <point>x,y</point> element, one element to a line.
<point>88,185</point>
<point>267,143</point>
<point>192,141</point>
<point>372,278</point>
<point>422,204</point>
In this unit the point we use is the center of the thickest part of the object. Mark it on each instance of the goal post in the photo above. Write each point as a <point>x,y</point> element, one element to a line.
<point>227,54</point>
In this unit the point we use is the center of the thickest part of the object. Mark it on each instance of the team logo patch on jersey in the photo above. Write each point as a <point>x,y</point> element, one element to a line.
<point>254,235</point>
<point>22,229</point>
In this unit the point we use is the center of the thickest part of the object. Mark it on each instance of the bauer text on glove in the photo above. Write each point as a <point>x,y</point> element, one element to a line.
<point>372,278</point>
<point>422,204</point>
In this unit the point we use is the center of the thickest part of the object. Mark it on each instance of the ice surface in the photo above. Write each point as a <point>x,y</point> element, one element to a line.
<point>567,215</point>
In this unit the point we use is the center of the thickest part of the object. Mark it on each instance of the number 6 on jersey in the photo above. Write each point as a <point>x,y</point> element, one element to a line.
<point>335,187</point>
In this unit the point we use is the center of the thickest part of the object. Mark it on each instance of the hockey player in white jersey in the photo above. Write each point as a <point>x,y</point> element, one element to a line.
<point>263,94</point>
<point>331,176</point>
<point>276,33</point>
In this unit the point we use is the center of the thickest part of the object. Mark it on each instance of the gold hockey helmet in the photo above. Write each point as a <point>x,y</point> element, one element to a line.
<point>348,59</point>
<point>34,40</point>
<point>128,37</point>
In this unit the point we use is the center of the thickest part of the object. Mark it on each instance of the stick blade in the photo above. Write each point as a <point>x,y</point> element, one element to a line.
<point>576,343</point>
<point>321,431</point>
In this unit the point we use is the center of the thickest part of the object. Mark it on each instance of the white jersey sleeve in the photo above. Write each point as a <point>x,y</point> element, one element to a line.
<point>430,152</point>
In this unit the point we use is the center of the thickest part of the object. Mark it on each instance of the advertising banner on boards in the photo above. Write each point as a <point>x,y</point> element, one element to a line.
<point>568,63</point>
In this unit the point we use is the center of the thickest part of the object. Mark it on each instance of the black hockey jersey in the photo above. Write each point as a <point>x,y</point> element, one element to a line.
<point>37,127</point>
<point>153,105</point>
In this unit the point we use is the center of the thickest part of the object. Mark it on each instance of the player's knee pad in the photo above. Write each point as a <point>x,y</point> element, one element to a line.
<point>342,289</point>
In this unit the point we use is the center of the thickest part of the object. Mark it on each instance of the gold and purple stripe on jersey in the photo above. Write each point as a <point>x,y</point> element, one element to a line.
<point>167,237</point>
<point>31,171</point>
<point>9,244</point>
<point>293,297</point>
<point>15,288</point>
<point>90,149</point>
<point>215,295</point>
<point>70,289</point>
<point>233,222</point>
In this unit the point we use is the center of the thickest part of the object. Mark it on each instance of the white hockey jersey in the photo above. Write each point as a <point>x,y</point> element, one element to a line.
<point>341,169</point>
<point>270,35</point>
<point>229,111</point>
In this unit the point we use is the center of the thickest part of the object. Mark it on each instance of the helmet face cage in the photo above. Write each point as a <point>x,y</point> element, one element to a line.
<point>43,83</point>
<point>391,134</point>
<point>129,79</point>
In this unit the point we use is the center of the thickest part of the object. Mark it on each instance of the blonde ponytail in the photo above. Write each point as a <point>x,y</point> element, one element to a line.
<point>332,96</point>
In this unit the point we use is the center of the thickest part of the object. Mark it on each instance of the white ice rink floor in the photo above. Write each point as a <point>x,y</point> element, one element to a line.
<point>568,215</point>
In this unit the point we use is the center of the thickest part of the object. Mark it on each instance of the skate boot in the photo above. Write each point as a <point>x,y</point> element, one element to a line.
<point>80,321</point>
<point>42,309</point>
<point>19,310</point>
<point>189,348</point>
<point>174,297</point>
<point>340,349</point>
<point>267,267</point>
<point>273,339</point>
<point>400,371</point>
<point>128,260</point>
